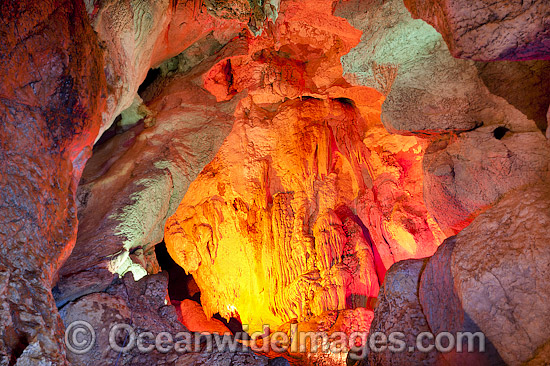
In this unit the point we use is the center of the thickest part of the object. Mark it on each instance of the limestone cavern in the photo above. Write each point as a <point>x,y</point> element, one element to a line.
<point>274,182</point>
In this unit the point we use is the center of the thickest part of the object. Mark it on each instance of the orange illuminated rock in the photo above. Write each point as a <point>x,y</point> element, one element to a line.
<point>309,200</point>
<point>192,316</point>
<point>276,205</point>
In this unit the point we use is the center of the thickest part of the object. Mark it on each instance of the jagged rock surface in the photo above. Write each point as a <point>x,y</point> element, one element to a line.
<point>399,310</point>
<point>489,31</point>
<point>61,87</point>
<point>500,267</point>
<point>278,209</point>
<point>145,172</point>
<point>141,305</point>
<point>50,107</point>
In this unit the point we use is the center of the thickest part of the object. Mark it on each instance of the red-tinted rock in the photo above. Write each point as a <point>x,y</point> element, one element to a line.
<point>50,106</point>
<point>145,172</point>
<point>193,317</point>
<point>489,31</point>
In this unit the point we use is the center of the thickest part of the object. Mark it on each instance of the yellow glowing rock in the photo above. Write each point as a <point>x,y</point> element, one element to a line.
<point>270,228</point>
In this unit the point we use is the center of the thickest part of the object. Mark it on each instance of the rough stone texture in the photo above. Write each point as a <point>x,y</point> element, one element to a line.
<point>468,173</point>
<point>145,172</point>
<point>140,34</point>
<point>50,105</point>
<point>428,91</point>
<point>489,31</point>
<point>140,304</point>
<point>399,310</point>
<point>309,201</point>
<point>56,77</point>
<point>313,189</point>
<point>524,84</point>
<point>444,313</point>
<point>346,321</point>
<point>394,211</point>
<point>192,316</point>
<point>500,268</point>
<point>252,12</point>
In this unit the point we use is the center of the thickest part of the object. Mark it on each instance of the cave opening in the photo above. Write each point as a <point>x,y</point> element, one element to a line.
<point>152,75</point>
<point>500,132</point>
<point>182,286</point>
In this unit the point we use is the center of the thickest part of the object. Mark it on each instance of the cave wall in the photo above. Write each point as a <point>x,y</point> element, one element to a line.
<point>304,147</point>
<point>51,102</point>
<point>309,199</point>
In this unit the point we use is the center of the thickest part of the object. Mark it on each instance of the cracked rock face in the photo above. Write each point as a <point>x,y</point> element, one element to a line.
<point>500,270</point>
<point>50,106</point>
<point>489,31</point>
<point>145,173</point>
<point>142,306</point>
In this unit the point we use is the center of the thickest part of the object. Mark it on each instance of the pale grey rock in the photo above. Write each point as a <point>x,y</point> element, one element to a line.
<point>500,266</point>
<point>489,30</point>
<point>467,173</point>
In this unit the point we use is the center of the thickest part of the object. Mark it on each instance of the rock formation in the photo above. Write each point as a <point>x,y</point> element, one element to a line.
<point>485,31</point>
<point>51,107</point>
<point>142,306</point>
<point>398,310</point>
<point>430,92</point>
<point>298,157</point>
<point>187,126</point>
<point>489,278</point>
